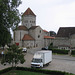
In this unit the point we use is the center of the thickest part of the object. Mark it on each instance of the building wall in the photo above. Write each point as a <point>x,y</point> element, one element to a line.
<point>28,43</point>
<point>32,33</point>
<point>61,41</point>
<point>19,34</point>
<point>29,20</point>
<point>64,48</point>
<point>72,40</point>
<point>46,33</point>
<point>47,42</point>
<point>38,35</point>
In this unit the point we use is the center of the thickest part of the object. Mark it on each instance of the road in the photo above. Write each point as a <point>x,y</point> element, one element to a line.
<point>59,62</point>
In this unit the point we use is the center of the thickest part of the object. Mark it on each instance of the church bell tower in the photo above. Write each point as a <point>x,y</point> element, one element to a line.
<point>28,18</point>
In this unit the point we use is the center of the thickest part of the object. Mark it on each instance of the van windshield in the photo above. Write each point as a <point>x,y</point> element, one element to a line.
<point>37,60</point>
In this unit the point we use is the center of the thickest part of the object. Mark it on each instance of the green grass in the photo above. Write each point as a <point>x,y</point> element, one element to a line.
<point>19,72</point>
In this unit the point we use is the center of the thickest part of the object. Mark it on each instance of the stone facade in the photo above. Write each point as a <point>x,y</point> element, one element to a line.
<point>28,34</point>
<point>28,18</point>
<point>65,38</point>
<point>29,21</point>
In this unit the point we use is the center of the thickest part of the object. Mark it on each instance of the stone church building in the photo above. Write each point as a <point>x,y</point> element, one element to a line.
<point>29,34</point>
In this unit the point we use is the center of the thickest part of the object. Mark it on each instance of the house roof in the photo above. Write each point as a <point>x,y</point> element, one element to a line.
<point>45,30</point>
<point>27,37</point>
<point>33,27</point>
<point>63,45</point>
<point>65,31</point>
<point>29,12</point>
<point>22,27</point>
<point>48,37</point>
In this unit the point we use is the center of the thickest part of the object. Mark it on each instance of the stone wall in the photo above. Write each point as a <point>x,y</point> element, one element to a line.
<point>28,44</point>
<point>61,41</point>
<point>18,34</point>
<point>38,35</point>
<point>29,20</point>
<point>72,40</point>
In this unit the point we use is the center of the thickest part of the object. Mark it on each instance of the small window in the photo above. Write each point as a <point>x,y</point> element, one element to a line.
<point>38,36</point>
<point>40,31</point>
<point>30,21</point>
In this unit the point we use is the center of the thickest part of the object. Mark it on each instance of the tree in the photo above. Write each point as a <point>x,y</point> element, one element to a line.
<point>52,33</point>
<point>9,14</point>
<point>5,36</point>
<point>50,46</point>
<point>9,18</point>
<point>13,56</point>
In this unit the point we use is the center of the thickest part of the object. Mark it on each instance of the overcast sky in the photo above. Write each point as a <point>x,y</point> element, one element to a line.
<point>51,14</point>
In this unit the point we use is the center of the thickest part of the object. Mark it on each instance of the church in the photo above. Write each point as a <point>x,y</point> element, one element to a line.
<point>29,34</point>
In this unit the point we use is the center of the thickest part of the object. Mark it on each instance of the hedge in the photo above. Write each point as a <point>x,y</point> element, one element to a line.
<point>73,52</point>
<point>59,51</point>
<point>5,70</point>
<point>49,72</point>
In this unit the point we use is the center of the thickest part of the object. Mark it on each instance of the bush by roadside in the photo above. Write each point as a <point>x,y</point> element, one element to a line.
<point>49,72</point>
<point>60,51</point>
<point>73,52</point>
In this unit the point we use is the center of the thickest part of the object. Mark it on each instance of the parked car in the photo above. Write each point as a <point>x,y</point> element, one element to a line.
<point>24,50</point>
<point>45,48</point>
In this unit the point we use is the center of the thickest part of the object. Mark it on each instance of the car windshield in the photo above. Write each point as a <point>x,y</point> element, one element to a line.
<point>37,60</point>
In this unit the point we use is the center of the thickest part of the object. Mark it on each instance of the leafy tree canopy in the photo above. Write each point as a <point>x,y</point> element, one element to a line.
<point>13,56</point>
<point>5,36</point>
<point>9,18</point>
<point>9,14</point>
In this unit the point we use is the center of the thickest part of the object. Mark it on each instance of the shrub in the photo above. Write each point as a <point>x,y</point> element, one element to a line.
<point>43,71</point>
<point>5,70</point>
<point>73,52</point>
<point>49,72</point>
<point>59,51</point>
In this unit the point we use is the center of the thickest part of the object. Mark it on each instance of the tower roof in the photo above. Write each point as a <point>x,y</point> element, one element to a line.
<point>33,27</point>
<point>22,27</point>
<point>29,12</point>
<point>27,37</point>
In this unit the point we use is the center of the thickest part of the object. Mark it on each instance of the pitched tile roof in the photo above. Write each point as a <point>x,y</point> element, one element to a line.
<point>29,12</point>
<point>63,45</point>
<point>45,30</point>
<point>27,37</point>
<point>65,31</point>
<point>22,28</point>
<point>48,37</point>
<point>33,27</point>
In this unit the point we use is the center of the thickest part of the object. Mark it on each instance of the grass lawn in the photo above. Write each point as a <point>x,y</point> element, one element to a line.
<point>18,72</point>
